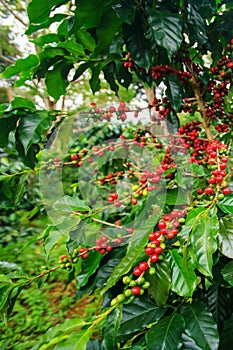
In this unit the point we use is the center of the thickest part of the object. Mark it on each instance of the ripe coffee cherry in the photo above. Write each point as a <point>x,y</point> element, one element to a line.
<point>137,271</point>
<point>158,250</point>
<point>136,290</point>
<point>143,266</point>
<point>209,190</point>
<point>134,201</point>
<point>226,190</point>
<point>154,258</point>
<point>149,250</point>
<point>162,224</point>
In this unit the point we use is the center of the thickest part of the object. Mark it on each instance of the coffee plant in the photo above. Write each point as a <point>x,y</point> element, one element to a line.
<point>139,196</point>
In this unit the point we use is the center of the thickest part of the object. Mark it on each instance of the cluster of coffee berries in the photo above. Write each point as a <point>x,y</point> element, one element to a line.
<point>66,261</point>
<point>163,107</point>
<point>136,284</point>
<point>133,287</point>
<point>103,245</point>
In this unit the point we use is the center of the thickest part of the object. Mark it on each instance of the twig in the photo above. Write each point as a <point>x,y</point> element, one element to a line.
<point>13,13</point>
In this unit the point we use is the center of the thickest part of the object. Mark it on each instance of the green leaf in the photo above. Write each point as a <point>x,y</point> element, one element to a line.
<point>184,279</point>
<point>21,102</point>
<point>197,26</point>
<point>225,236</point>
<point>68,204</point>
<point>165,335</point>
<point>95,80</point>
<point>84,9</point>
<point>85,39</point>
<point>160,282</point>
<point>137,44</point>
<point>177,197</point>
<point>137,315</point>
<point>46,39</point>
<point>166,29</point>
<point>200,325</point>
<point>220,303</point>
<point>174,91</point>
<point>226,205</point>
<point>227,273</point>
<point>135,248</point>
<point>89,267</point>
<point>22,64</point>
<point>72,46</point>
<point>55,18</point>
<point>110,329</point>
<point>59,233</point>
<point>106,31</point>
<point>226,340</point>
<point>56,79</point>
<point>38,12</point>
<point>109,74</point>
<point>31,127</point>
<point>80,70</point>
<point>6,126</point>
<point>204,243</point>
<point>125,11</point>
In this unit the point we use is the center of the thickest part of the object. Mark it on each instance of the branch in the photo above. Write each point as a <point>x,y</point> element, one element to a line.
<point>6,59</point>
<point>13,13</point>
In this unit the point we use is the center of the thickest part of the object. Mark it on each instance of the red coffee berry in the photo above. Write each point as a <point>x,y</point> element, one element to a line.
<point>143,266</point>
<point>136,290</point>
<point>226,190</point>
<point>137,271</point>
<point>154,258</point>
<point>162,224</point>
<point>209,190</point>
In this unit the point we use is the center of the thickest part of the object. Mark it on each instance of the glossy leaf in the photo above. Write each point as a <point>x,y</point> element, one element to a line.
<point>21,64</point>
<point>57,17</point>
<point>56,79</point>
<point>226,340</point>
<point>95,80</point>
<point>138,314</point>
<point>6,126</point>
<point>84,9</point>
<point>165,335</point>
<point>225,236</point>
<point>109,74</point>
<point>174,91</point>
<point>106,31</point>
<point>220,303</point>
<point>226,205</point>
<point>188,342</point>
<point>22,102</point>
<point>69,204</point>
<point>39,12</point>
<point>134,251</point>
<point>227,273</point>
<point>89,267</point>
<point>110,329</point>
<point>183,277</point>
<point>160,283</point>
<point>200,325</point>
<point>31,128</point>
<point>137,44</point>
<point>197,26</point>
<point>125,11</point>
<point>166,29</point>
<point>204,243</point>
